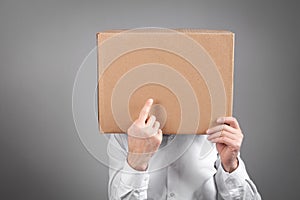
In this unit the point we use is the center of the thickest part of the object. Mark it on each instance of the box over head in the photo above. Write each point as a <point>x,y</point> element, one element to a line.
<point>188,73</point>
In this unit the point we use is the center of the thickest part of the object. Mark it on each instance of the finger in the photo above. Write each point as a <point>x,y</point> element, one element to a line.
<point>156,140</point>
<point>151,120</point>
<point>159,131</point>
<point>159,135</point>
<point>229,120</point>
<point>156,126</point>
<point>222,134</point>
<point>221,127</point>
<point>234,144</point>
<point>145,111</point>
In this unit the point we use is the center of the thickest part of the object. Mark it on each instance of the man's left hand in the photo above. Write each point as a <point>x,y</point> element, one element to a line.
<point>228,137</point>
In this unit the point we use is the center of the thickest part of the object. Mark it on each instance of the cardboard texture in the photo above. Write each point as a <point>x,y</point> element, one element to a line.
<point>188,73</point>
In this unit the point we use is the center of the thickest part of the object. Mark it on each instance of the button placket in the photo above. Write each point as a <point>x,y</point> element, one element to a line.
<point>173,181</point>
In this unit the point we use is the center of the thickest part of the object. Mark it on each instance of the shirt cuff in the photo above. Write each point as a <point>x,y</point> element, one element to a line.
<point>134,178</point>
<point>239,172</point>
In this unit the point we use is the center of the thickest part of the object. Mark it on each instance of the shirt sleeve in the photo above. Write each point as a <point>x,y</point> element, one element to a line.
<point>235,185</point>
<point>125,182</point>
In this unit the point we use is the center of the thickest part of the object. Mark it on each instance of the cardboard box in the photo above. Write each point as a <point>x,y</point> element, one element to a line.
<point>188,73</point>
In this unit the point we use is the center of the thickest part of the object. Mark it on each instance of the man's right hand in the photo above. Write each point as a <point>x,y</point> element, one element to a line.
<point>144,138</point>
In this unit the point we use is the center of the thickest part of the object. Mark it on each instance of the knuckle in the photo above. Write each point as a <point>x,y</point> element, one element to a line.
<point>237,145</point>
<point>236,121</point>
<point>232,119</point>
<point>153,117</point>
<point>226,127</point>
<point>136,123</point>
<point>160,133</point>
<point>222,139</point>
<point>157,123</point>
<point>242,136</point>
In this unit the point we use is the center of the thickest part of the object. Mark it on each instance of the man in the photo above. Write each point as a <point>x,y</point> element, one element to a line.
<point>144,164</point>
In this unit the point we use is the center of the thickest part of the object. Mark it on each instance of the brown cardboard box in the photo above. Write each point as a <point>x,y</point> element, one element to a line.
<point>188,73</point>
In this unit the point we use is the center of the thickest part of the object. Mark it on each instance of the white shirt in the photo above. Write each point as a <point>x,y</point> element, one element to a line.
<point>186,167</point>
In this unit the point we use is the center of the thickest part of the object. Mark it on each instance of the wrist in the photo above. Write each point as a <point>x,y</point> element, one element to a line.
<point>231,166</point>
<point>137,162</point>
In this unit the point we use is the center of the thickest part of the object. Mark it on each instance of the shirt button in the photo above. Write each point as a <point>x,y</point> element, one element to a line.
<point>171,137</point>
<point>172,194</point>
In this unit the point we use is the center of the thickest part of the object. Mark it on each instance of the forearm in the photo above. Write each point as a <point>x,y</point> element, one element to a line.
<point>235,185</point>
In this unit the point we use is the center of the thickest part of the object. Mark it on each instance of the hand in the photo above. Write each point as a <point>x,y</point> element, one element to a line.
<point>144,138</point>
<point>228,138</point>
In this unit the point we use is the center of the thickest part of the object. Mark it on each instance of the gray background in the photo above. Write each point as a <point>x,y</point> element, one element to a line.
<point>42,44</point>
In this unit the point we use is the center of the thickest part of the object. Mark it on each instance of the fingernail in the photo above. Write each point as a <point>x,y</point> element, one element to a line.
<point>220,120</point>
<point>208,131</point>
